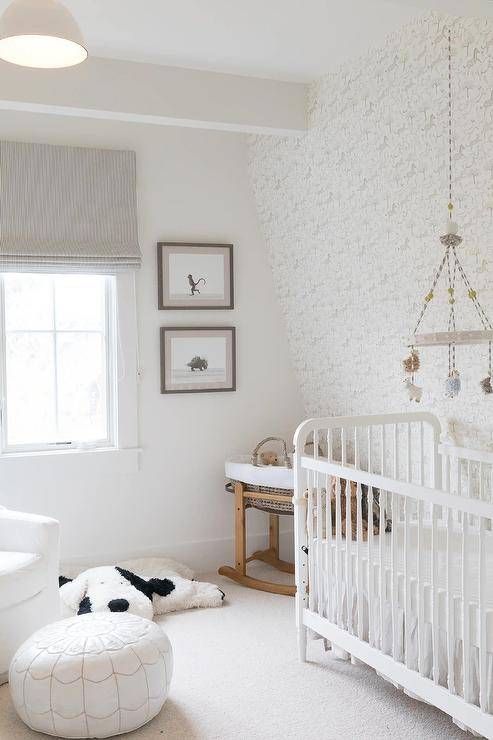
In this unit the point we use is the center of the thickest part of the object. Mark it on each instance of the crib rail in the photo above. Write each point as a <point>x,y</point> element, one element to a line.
<point>391,565</point>
<point>467,472</point>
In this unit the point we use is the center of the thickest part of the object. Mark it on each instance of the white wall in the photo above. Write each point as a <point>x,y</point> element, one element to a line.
<point>192,185</point>
<point>353,211</point>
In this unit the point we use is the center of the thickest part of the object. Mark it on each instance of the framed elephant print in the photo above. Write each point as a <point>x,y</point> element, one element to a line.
<point>195,276</point>
<point>197,359</point>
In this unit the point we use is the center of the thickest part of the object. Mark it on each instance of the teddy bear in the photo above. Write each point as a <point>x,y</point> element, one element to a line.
<point>269,458</point>
<point>116,588</point>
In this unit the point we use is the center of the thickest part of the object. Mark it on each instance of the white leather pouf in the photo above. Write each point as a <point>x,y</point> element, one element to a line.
<point>96,675</point>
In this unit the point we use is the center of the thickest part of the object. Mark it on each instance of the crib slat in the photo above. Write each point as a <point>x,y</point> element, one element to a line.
<point>407,554</point>
<point>459,484</point>
<point>407,581</point>
<point>381,568</point>
<point>408,453</point>
<point>370,450</point>
<point>434,591</point>
<point>338,561</point>
<point>466,635</point>
<point>491,486</point>
<point>343,446</point>
<point>328,549</point>
<point>483,675</point>
<point>356,448</point>
<point>359,564</point>
<point>421,453</point>
<point>311,553</point>
<point>393,572</point>
<point>487,491</point>
<point>383,446</point>
<point>369,508</point>
<point>446,474</point>
<point>450,606</point>
<point>320,594</point>
<point>420,590</point>
<point>349,566</point>
<point>396,450</point>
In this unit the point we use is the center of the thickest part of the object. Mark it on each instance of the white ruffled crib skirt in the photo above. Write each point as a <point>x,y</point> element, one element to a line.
<point>386,620</point>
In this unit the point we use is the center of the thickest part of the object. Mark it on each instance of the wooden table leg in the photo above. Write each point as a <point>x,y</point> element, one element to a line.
<point>274,534</point>
<point>270,556</point>
<point>240,533</point>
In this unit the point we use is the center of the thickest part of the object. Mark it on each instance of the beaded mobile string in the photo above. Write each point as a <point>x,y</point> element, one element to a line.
<point>450,260</point>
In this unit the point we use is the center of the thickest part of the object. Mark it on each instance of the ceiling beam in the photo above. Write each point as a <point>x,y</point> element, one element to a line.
<point>153,94</point>
<point>480,8</point>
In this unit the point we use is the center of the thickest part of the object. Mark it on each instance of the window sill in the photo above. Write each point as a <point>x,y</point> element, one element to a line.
<point>104,460</point>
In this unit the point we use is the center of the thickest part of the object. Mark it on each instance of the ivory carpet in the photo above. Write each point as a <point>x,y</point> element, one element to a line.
<point>237,677</point>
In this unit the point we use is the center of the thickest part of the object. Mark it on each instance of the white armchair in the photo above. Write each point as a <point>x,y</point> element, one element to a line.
<point>29,559</point>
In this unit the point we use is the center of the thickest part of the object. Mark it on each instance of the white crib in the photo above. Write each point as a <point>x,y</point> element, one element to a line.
<point>415,602</point>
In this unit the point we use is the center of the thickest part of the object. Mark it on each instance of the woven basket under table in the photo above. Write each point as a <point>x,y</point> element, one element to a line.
<point>271,507</point>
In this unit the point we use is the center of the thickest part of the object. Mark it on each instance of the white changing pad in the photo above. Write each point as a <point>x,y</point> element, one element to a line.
<point>269,476</point>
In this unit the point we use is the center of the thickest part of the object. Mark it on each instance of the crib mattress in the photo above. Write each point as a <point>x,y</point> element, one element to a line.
<point>425,549</point>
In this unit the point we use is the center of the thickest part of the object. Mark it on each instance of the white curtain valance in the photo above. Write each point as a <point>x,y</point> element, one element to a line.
<point>67,209</point>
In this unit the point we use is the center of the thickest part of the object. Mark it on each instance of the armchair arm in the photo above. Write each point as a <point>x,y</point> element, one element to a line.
<point>22,532</point>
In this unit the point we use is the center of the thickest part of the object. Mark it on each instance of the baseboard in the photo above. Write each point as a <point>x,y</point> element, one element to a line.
<point>4,678</point>
<point>202,556</point>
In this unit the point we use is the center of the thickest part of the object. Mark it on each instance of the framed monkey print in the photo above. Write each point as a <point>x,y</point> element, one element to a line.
<point>195,276</point>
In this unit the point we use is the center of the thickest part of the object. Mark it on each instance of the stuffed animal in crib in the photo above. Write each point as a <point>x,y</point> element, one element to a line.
<point>366,517</point>
<point>118,589</point>
<point>269,458</point>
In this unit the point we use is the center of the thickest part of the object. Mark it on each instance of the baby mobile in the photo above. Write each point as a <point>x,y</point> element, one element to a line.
<point>450,266</point>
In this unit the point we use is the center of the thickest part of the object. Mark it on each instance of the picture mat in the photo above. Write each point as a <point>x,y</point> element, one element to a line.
<point>167,282</point>
<point>212,349</point>
<point>210,267</point>
<point>169,366</point>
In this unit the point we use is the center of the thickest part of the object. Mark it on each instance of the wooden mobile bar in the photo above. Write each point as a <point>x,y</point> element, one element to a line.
<point>446,338</point>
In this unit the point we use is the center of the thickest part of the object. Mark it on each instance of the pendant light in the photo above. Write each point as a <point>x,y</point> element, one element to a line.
<point>42,34</point>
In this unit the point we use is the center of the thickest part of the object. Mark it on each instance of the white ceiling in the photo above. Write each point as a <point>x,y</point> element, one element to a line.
<point>284,39</point>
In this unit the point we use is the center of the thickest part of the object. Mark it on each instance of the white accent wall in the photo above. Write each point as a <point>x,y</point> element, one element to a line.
<point>352,213</point>
<point>192,185</point>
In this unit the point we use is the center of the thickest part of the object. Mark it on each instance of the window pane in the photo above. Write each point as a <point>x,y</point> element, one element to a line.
<point>80,302</point>
<point>81,387</point>
<point>28,302</point>
<point>30,388</point>
<point>56,359</point>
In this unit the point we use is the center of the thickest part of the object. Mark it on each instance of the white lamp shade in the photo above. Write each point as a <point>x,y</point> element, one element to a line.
<point>40,33</point>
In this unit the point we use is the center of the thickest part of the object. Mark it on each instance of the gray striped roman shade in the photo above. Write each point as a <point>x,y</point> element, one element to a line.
<point>67,209</point>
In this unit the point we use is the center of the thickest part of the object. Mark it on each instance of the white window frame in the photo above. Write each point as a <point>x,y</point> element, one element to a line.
<point>122,374</point>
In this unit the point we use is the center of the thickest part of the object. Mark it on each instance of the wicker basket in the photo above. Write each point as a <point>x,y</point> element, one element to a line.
<point>271,507</point>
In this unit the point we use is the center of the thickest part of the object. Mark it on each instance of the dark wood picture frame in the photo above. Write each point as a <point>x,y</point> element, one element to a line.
<point>168,330</point>
<point>204,304</point>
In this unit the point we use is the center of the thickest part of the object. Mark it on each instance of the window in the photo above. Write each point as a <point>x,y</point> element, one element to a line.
<point>58,365</point>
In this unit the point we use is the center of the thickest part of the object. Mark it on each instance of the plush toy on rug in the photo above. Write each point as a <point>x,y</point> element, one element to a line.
<point>116,588</point>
